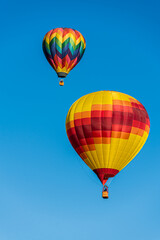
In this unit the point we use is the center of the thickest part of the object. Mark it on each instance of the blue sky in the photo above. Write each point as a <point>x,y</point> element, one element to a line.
<point>46,191</point>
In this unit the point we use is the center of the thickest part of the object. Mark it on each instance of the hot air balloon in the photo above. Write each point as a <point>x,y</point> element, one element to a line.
<point>107,129</point>
<point>63,48</point>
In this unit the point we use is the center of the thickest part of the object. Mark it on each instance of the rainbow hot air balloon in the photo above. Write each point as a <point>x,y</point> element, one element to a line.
<point>63,48</point>
<point>107,129</point>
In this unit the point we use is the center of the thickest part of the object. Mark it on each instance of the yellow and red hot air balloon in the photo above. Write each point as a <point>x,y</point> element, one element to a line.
<point>107,129</point>
<point>63,48</point>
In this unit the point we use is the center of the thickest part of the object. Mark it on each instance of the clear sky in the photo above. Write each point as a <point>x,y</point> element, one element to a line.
<point>46,191</point>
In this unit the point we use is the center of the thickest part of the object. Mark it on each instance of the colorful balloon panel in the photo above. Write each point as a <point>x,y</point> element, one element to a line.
<point>107,129</point>
<point>63,48</point>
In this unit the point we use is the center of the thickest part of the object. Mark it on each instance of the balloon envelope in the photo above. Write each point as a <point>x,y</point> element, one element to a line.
<point>107,129</point>
<point>63,48</point>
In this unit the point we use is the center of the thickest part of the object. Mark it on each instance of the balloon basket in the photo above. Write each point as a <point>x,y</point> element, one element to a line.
<point>61,83</point>
<point>105,192</point>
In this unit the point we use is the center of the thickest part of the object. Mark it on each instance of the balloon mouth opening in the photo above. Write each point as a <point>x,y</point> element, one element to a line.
<point>104,173</point>
<point>62,74</point>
